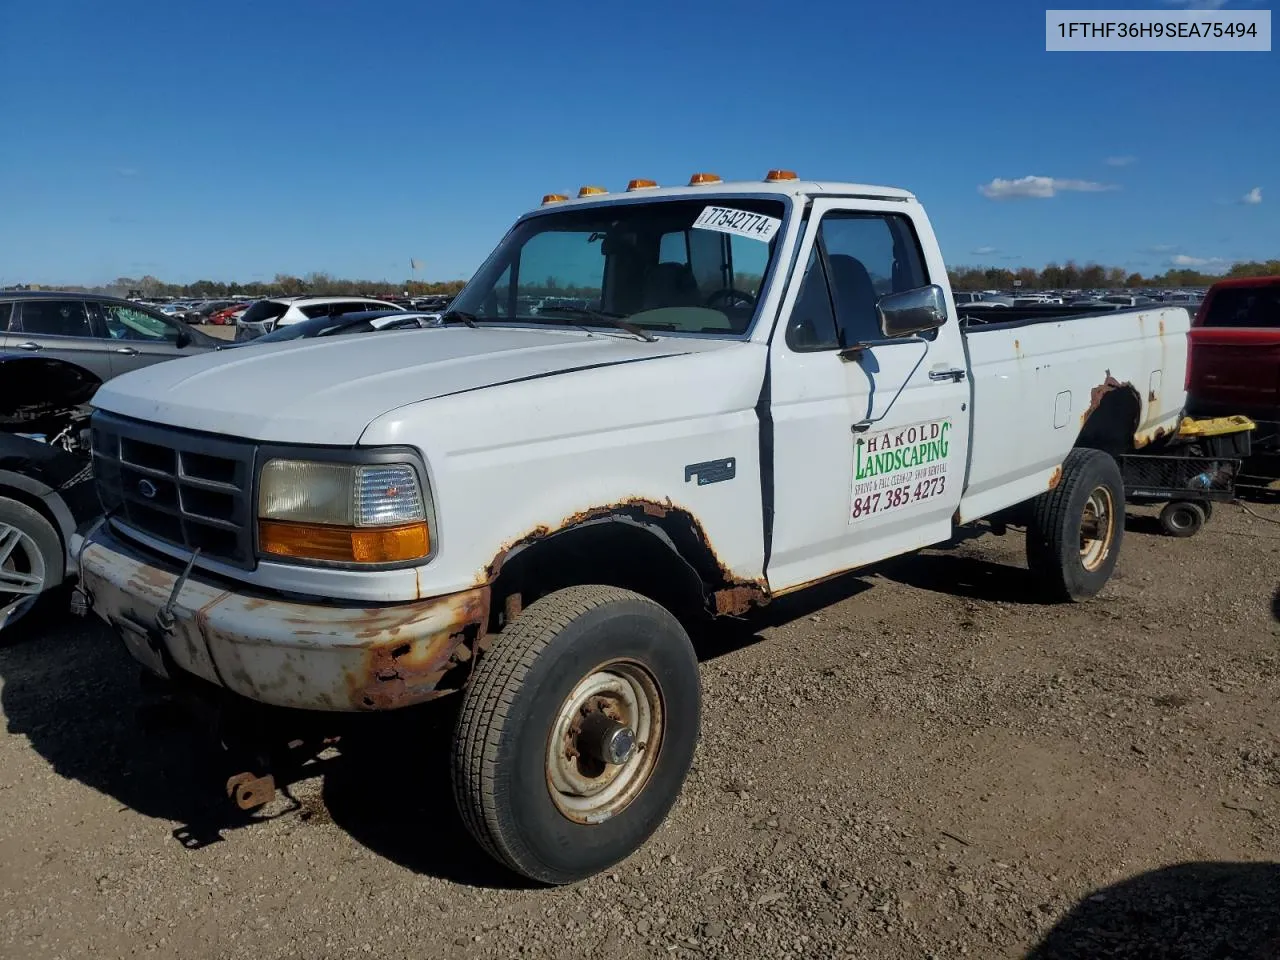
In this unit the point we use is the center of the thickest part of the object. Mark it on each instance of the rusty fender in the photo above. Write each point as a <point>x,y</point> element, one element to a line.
<point>726,594</point>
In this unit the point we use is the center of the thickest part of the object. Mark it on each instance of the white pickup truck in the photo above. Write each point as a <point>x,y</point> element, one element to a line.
<point>740,389</point>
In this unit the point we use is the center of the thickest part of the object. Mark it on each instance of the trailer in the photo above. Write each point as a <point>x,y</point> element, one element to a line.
<point>1198,467</point>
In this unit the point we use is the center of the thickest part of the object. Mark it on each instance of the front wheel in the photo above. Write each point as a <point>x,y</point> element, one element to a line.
<point>31,560</point>
<point>576,733</point>
<point>1075,530</point>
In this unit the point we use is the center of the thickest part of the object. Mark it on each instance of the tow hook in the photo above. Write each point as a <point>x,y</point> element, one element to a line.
<point>81,602</point>
<point>250,791</point>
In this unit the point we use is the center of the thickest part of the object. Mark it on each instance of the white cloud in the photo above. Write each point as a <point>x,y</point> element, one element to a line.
<point>1196,4</point>
<point>1182,260</point>
<point>984,251</point>
<point>1253,196</point>
<point>1039,187</point>
<point>1122,161</point>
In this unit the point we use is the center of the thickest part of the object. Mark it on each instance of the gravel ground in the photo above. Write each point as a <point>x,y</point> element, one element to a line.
<point>915,762</point>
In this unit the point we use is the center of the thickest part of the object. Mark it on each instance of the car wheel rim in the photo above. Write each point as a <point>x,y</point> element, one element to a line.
<point>1096,528</point>
<point>22,573</point>
<point>615,711</point>
<point>1181,519</point>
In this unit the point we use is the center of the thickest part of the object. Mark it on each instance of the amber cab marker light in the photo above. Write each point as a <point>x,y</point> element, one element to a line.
<point>553,198</point>
<point>774,176</point>
<point>641,184</point>
<point>591,191</point>
<point>698,179</point>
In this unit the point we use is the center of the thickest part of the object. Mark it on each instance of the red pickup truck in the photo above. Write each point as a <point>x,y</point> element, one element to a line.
<point>1234,358</point>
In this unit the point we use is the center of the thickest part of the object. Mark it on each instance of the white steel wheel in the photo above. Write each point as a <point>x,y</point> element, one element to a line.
<point>607,735</point>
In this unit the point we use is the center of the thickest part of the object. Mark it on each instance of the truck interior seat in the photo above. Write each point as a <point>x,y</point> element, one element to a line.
<point>670,284</point>
<point>855,298</point>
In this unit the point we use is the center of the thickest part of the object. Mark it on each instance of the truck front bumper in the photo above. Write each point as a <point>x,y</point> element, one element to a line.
<point>284,651</point>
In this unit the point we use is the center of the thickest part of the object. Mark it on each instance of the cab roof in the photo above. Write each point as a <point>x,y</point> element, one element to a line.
<point>805,189</point>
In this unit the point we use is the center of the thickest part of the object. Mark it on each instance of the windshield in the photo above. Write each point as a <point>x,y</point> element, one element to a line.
<point>691,266</point>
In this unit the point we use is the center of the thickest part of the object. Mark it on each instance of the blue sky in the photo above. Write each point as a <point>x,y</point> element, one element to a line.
<point>237,140</point>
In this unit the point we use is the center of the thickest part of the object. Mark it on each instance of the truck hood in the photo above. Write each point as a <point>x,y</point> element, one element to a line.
<point>326,391</point>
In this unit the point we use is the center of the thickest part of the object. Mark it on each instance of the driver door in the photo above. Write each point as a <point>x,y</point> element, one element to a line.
<point>870,434</point>
<point>137,338</point>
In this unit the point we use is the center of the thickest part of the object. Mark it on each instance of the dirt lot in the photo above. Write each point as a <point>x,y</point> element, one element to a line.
<point>915,762</point>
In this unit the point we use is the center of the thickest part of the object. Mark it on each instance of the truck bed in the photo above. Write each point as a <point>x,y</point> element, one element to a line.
<point>1036,380</point>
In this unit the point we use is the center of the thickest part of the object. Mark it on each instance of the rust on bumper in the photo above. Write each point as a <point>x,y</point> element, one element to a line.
<point>283,651</point>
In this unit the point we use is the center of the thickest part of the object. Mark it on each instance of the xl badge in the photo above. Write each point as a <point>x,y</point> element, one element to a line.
<point>147,489</point>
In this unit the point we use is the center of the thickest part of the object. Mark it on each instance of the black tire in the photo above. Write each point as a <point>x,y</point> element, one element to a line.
<point>1056,532</point>
<point>1207,507</point>
<point>502,768</point>
<point>41,539</point>
<point>1182,518</point>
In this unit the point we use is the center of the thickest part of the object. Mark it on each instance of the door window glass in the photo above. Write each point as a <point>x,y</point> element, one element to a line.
<point>868,256</point>
<point>130,323</point>
<point>55,318</point>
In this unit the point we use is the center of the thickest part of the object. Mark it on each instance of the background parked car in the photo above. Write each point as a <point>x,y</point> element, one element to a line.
<point>46,480</point>
<point>344,324</point>
<point>265,315</point>
<point>227,315</point>
<point>103,335</point>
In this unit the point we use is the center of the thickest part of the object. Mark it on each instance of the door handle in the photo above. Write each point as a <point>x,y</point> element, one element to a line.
<point>30,345</point>
<point>956,374</point>
<point>127,351</point>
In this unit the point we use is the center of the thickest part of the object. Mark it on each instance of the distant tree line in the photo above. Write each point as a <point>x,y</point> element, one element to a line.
<point>1071,276</point>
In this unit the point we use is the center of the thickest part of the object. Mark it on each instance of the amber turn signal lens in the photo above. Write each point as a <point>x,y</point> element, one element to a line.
<point>310,541</point>
<point>553,197</point>
<point>641,184</point>
<point>700,178</point>
<point>773,176</point>
<point>591,191</point>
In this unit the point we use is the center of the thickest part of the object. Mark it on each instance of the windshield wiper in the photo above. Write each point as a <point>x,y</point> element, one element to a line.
<point>612,319</point>
<point>460,315</point>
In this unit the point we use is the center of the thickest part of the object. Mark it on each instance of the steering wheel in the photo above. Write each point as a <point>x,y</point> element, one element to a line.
<point>730,296</point>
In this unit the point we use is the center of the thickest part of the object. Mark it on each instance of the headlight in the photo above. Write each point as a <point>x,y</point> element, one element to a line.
<point>347,513</point>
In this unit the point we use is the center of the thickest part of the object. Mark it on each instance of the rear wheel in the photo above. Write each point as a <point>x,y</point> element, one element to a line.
<point>1182,518</point>
<point>576,733</point>
<point>31,561</point>
<point>1075,530</point>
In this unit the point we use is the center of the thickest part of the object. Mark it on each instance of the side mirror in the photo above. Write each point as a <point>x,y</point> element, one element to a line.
<point>912,311</point>
<point>183,338</point>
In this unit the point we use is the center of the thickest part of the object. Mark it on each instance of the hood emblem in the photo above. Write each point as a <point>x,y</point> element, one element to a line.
<point>147,489</point>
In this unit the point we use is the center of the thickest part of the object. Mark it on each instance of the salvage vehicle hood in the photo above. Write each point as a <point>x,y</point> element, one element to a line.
<point>326,391</point>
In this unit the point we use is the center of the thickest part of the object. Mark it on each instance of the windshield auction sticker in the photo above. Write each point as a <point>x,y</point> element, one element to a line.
<point>742,223</point>
<point>900,466</point>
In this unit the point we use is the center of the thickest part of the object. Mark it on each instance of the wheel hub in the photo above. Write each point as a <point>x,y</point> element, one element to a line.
<point>1096,528</point>
<point>604,742</point>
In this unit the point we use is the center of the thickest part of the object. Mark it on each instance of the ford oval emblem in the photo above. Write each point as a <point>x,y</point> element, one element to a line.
<point>147,489</point>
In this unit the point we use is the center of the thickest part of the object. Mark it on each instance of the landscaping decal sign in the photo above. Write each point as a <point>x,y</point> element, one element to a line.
<point>899,466</point>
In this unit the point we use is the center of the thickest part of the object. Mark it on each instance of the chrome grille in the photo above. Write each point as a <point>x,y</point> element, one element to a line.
<point>184,488</point>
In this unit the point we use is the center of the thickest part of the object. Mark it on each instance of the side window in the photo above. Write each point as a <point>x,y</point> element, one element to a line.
<point>55,318</point>
<point>868,255</point>
<point>812,325</point>
<point>128,323</point>
<point>5,310</point>
<point>563,267</point>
